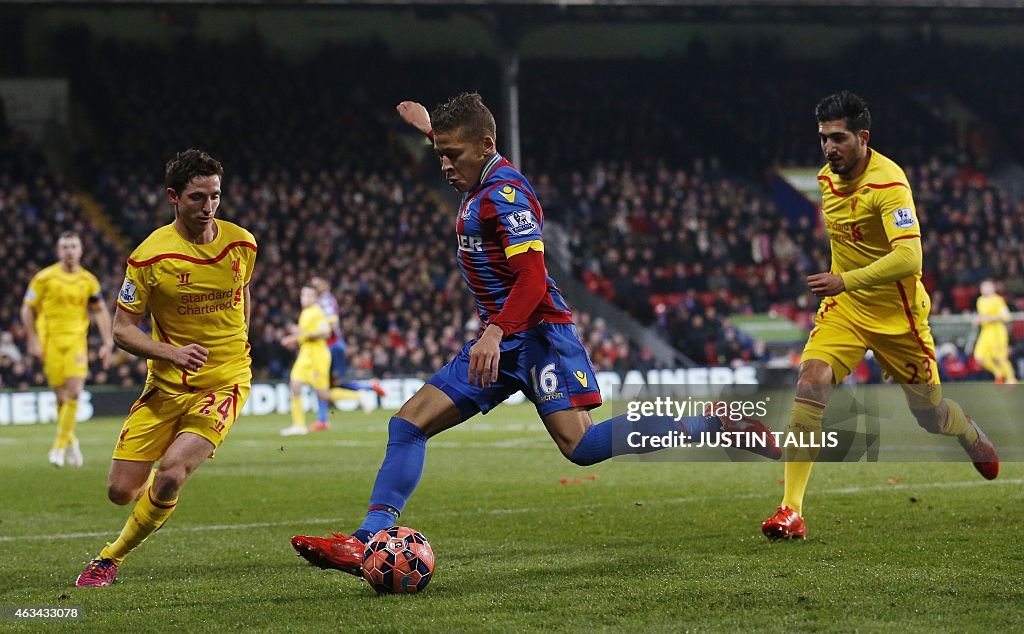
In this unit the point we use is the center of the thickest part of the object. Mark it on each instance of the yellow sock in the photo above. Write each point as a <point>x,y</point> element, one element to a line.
<point>990,364</point>
<point>806,417</point>
<point>149,483</point>
<point>148,515</point>
<point>341,394</point>
<point>956,423</point>
<point>66,415</point>
<point>58,436</point>
<point>1007,371</point>
<point>298,416</point>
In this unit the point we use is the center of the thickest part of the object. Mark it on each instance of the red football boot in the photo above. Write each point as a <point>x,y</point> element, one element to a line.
<point>344,553</point>
<point>982,454</point>
<point>785,524</point>
<point>751,435</point>
<point>99,572</point>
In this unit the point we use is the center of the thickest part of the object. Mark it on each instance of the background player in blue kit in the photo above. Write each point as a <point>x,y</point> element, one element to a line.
<point>528,342</point>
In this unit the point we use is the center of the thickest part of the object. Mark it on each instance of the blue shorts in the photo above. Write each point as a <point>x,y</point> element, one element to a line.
<point>548,363</point>
<point>339,364</point>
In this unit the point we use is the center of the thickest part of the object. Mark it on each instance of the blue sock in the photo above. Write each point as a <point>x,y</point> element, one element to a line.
<point>607,439</point>
<point>321,411</point>
<point>397,478</point>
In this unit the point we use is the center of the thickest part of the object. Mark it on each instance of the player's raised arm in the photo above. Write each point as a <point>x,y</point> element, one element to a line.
<point>416,115</point>
<point>130,337</point>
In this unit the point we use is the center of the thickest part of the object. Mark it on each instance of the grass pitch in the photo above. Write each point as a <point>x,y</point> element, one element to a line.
<point>670,546</point>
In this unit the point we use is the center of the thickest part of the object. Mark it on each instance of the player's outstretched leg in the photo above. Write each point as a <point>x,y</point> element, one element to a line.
<point>397,479</point>
<point>619,435</point>
<point>751,434</point>
<point>982,452</point>
<point>949,419</point>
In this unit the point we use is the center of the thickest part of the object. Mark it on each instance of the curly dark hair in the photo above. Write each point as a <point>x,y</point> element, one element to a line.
<point>844,105</point>
<point>466,111</point>
<point>189,164</point>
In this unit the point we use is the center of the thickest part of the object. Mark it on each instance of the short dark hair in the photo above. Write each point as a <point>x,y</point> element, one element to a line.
<point>466,111</point>
<point>844,105</point>
<point>189,164</point>
<point>67,235</point>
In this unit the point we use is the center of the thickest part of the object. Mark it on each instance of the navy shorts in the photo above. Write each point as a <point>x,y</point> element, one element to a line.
<point>339,362</point>
<point>548,363</point>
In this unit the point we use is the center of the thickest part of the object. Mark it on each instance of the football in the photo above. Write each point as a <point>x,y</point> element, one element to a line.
<point>398,560</point>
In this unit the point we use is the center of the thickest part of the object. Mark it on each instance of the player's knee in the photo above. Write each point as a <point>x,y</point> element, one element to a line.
<point>120,494</point>
<point>815,380</point>
<point>574,453</point>
<point>815,372</point>
<point>578,460</point>
<point>169,480</point>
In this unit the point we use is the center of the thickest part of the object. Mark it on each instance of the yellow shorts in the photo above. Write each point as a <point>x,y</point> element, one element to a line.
<point>65,357</point>
<point>313,367</point>
<point>995,345</point>
<point>909,357</point>
<point>158,417</point>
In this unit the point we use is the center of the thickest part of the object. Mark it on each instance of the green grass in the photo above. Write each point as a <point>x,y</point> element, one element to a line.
<point>667,546</point>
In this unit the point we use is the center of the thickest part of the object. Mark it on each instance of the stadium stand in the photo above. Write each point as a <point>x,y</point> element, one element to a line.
<point>684,242</point>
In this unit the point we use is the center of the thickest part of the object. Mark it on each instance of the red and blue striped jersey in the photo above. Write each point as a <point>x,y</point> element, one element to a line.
<point>498,219</point>
<point>329,304</point>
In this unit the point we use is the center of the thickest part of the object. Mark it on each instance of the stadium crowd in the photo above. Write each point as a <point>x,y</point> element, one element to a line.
<point>683,242</point>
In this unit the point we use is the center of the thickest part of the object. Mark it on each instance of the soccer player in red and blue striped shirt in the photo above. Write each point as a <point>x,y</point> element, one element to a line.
<point>528,341</point>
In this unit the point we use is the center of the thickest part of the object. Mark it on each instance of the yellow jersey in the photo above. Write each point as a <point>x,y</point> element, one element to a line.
<point>61,300</point>
<point>993,306</point>
<point>313,321</point>
<point>194,293</point>
<point>864,217</point>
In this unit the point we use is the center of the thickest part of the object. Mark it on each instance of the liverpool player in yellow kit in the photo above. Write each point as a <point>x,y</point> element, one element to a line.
<point>56,320</point>
<point>872,299</point>
<point>992,349</point>
<point>313,365</point>
<point>193,277</point>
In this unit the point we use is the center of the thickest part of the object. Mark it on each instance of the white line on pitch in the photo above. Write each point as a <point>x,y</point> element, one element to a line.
<point>506,511</point>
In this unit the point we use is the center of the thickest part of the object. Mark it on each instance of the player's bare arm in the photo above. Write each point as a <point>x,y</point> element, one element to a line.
<point>128,336</point>
<point>415,114</point>
<point>826,284</point>
<point>28,320</point>
<point>484,357</point>
<point>101,314</point>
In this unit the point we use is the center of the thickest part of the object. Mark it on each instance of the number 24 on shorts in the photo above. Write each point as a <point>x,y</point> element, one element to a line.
<point>224,409</point>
